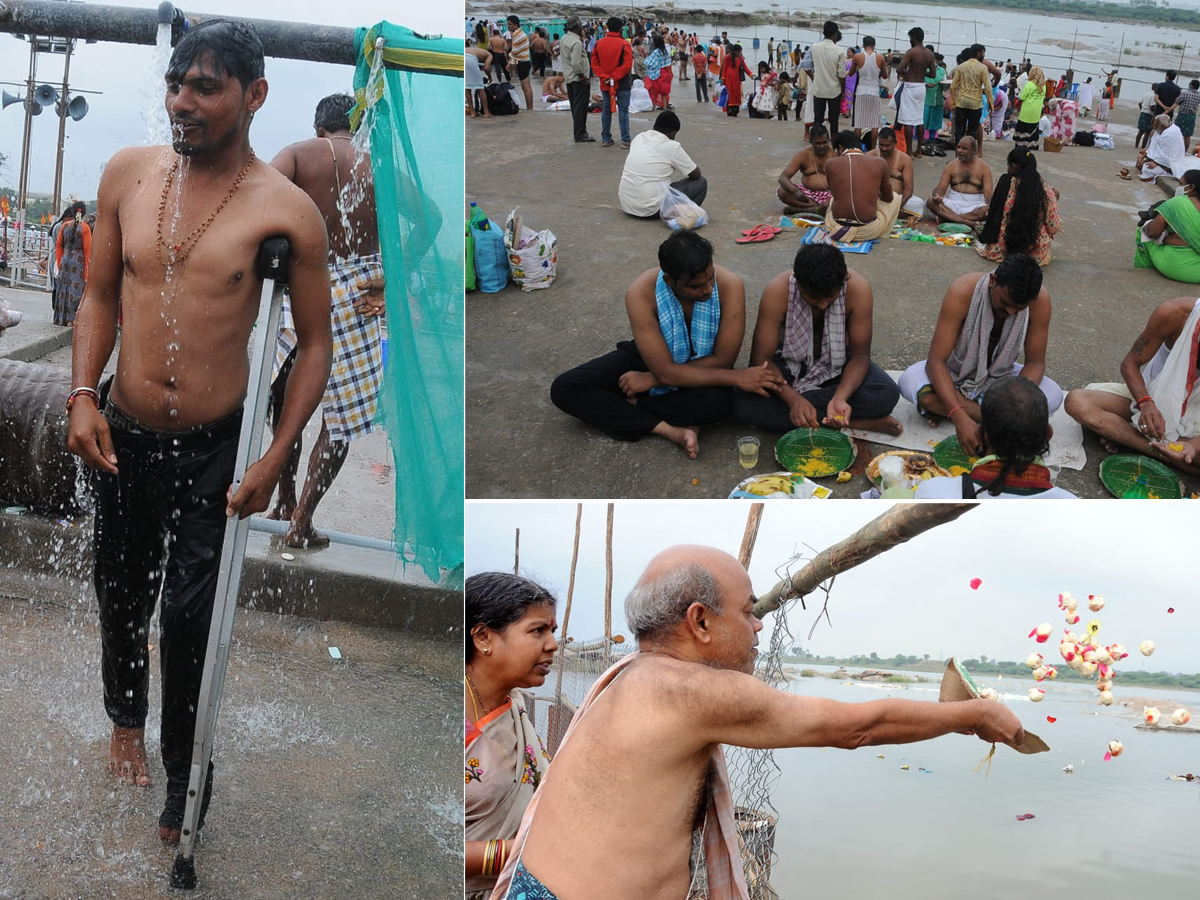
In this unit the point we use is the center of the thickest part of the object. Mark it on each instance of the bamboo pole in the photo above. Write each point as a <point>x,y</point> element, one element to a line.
<point>608,577</point>
<point>751,535</point>
<point>1071,61</point>
<point>517,554</point>
<point>1179,67</point>
<point>1025,52</point>
<point>567,612</point>
<point>897,525</point>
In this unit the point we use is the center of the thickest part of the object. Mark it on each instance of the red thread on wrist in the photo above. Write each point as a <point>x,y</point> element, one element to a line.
<point>1141,400</point>
<point>953,411</point>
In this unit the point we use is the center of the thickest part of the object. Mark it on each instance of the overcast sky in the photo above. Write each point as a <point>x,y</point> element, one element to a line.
<point>913,599</point>
<point>125,73</point>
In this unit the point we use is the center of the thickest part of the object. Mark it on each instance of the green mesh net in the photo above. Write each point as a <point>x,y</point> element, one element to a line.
<point>409,98</point>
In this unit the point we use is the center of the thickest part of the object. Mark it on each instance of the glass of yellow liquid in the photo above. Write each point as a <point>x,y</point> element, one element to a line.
<point>748,452</point>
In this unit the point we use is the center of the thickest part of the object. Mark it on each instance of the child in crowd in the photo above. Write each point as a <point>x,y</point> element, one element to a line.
<point>785,96</point>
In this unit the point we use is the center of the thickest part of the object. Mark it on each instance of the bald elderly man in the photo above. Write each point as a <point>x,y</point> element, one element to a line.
<point>965,189</point>
<point>670,706</point>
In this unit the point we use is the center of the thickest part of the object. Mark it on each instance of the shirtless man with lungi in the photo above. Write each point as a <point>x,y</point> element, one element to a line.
<point>337,177</point>
<point>812,194</point>
<point>655,742</point>
<point>162,434</point>
<point>918,64</point>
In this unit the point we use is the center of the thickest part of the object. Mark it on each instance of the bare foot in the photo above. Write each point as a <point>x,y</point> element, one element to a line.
<point>169,835</point>
<point>127,756</point>
<point>1110,446</point>
<point>933,420</point>
<point>305,538</point>
<point>886,425</point>
<point>687,438</point>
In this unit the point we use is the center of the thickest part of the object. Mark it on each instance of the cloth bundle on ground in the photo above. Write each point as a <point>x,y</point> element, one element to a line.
<point>1164,148</point>
<point>639,98</point>
<point>818,235</point>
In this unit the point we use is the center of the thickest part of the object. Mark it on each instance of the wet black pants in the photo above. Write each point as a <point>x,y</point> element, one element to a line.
<point>159,526</point>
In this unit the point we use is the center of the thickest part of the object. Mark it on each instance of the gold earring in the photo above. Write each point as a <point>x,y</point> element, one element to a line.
<point>487,651</point>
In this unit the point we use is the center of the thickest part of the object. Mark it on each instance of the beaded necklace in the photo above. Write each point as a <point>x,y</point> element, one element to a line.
<point>176,254</point>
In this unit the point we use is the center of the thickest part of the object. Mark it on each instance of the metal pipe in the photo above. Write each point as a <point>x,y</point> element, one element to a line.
<point>273,526</point>
<point>18,266</point>
<point>119,24</point>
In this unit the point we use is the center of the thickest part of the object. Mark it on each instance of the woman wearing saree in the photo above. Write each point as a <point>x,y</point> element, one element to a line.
<point>1170,242</point>
<point>510,645</point>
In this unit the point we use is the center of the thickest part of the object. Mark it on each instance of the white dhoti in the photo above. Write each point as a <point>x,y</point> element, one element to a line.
<point>912,105</point>
<point>914,207</point>
<point>1151,170</point>
<point>1173,388</point>
<point>963,204</point>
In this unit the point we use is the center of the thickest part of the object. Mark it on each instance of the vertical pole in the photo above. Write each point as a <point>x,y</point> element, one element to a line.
<point>62,129</point>
<point>750,535</point>
<point>608,587</point>
<point>517,554</point>
<point>18,263</point>
<point>1181,52</point>
<point>1025,52</point>
<point>1071,61</point>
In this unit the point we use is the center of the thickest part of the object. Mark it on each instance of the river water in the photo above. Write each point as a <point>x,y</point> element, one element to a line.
<point>1005,33</point>
<point>853,826</point>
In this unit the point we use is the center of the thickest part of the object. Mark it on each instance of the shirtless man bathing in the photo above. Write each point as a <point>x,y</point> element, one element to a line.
<point>812,194</point>
<point>965,189</point>
<point>670,706</point>
<point>162,434</point>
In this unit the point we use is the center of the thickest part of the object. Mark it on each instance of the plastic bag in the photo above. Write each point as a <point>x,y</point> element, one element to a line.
<point>533,255</point>
<point>1105,142</point>
<point>678,210</point>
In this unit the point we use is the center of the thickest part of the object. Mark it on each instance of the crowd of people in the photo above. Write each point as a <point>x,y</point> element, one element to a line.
<point>810,358</point>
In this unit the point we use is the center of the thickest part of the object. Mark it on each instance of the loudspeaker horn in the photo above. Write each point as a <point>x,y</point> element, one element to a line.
<point>45,95</point>
<point>10,99</point>
<point>76,109</point>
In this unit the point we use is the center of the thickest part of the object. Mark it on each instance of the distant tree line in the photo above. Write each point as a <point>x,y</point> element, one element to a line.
<point>1086,9</point>
<point>987,666</point>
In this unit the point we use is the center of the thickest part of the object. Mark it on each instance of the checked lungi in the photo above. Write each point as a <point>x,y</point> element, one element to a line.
<point>348,406</point>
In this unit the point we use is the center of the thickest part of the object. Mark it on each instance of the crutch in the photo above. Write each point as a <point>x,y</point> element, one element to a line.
<point>272,268</point>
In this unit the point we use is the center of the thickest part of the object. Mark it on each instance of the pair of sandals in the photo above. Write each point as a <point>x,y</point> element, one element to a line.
<point>758,234</point>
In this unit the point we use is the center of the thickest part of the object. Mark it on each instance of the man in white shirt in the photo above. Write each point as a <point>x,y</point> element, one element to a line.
<point>829,77</point>
<point>656,157</point>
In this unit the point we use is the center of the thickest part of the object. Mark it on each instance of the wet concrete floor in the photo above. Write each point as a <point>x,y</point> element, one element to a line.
<point>520,445</point>
<point>334,778</point>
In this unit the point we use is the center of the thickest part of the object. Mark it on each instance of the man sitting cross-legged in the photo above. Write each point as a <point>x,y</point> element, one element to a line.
<point>965,189</point>
<point>1015,430</point>
<point>811,195</point>
<point>1156,411</point>
<point>985,322</point>
<point>814,328</point>
<point>864,206</point>
<point>688,318</point>
<point>650,731</point>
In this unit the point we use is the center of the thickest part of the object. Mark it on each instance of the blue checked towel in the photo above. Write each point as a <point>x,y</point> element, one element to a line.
<point>706,317</point>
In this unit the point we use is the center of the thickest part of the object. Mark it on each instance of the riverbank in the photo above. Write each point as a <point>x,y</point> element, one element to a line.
<point>915,674</point>
<point>538,9</point>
